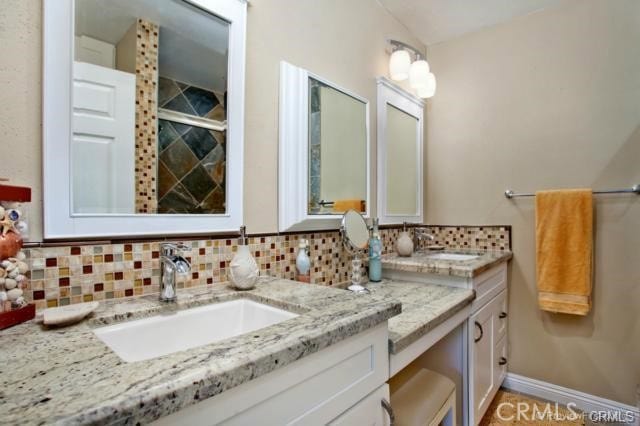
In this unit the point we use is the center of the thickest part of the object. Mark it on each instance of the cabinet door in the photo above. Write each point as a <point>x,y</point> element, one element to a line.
<point>500,361</point>
<point>487,354</point>
<point>367,412</point>
<point>481,358</point>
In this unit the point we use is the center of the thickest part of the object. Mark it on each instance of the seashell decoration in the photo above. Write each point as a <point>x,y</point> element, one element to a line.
<point>8,220</point>
<point>14,268</point>
<point>10,239</point>
<point>12,282</point>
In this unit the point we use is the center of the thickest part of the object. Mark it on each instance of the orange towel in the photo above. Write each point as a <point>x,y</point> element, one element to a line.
<point>564,250</point>
<point>342,206</point>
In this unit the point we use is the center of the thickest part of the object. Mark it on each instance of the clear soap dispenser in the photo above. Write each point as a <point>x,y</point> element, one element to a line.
<point>243,269</point>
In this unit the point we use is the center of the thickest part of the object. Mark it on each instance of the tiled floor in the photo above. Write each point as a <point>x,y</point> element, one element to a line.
<point>503,411</point>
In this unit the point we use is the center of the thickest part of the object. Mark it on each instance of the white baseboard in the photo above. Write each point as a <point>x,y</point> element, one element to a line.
<point>562,395</point>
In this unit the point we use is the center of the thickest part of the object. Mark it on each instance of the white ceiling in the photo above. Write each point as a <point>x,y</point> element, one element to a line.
<point>435,21</point>
<point>193,44</point>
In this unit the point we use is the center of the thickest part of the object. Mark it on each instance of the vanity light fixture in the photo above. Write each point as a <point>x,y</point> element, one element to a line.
<point>401,68</point>
<point>399,65</point>
<point>429,89</point>
<point>419,74</point>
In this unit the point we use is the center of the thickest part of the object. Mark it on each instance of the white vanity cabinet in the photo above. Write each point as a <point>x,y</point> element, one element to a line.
<point>341,383</point>
<point>484,338</point>
<point>487,343</point>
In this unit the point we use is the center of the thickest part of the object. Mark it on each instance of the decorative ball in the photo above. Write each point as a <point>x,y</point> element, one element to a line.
<point>10,245</point>
<point>13,214</point>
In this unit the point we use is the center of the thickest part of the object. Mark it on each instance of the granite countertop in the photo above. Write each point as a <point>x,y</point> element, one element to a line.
<point>424,307</point>
<point>68,376</point>
<point>421,262</point>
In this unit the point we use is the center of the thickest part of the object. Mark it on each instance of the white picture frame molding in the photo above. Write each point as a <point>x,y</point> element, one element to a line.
<point>389,93</point>
<point>59,220</point>
<point>293,155</point>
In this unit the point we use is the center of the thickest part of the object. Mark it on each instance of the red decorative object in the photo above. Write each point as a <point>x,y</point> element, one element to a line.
<point>17,316</point>
<point>10,245</point>
<point>20,194</point>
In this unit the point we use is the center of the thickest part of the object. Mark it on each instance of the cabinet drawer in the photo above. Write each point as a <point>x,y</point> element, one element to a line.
<point>488,284</point>
<point>501,315</point>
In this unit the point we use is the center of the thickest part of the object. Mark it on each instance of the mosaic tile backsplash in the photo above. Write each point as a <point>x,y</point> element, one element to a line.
<point>146,120</point>
<point>74,274</point>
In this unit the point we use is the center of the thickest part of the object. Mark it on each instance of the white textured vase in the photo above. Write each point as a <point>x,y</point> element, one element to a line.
<point>404,245</point>
<point>244,269</point>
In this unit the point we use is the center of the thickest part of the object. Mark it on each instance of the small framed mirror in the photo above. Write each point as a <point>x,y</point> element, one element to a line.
<point>355,238</point>
<point>324,151</point>
<point>400,155</point>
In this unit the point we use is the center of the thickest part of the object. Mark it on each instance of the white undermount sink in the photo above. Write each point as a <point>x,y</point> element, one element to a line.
<point>452,256</point>
<point>160,335</point>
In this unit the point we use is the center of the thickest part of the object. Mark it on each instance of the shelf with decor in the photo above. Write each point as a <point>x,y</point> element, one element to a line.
<point>14,269</point>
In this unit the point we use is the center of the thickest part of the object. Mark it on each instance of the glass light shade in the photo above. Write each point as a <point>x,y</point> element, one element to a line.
<point>430,89</point>
<point>418,74</point>
<point>399,64</point>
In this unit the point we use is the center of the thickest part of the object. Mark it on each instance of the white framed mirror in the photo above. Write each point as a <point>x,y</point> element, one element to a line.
<point>324,154</point>
<point>400,154</point>
<point>143,117</point>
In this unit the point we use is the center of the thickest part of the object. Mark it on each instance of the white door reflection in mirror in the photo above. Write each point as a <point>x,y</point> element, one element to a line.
<point>400,150</point>
<point>103,143</point>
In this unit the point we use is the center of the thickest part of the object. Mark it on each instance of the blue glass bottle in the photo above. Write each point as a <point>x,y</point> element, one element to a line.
<point>375,251</point>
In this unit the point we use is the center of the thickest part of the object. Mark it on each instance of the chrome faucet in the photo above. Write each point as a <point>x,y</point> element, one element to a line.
<point>421,234</point>
<point>171,263</point>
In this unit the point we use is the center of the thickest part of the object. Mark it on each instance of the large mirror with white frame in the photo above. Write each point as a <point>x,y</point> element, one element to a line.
<point>400,150</point>
<point>143,117</point>
<point>324,151</point>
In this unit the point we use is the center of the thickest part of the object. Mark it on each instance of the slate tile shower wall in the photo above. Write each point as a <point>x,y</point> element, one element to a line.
<point>314,146</point>
<point>81,273</point>
<point>191,170</point>
<point>146,119</point>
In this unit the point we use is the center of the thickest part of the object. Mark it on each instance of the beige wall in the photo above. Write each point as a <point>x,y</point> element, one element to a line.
<point>342,41</point>
<point>339,40</point>
<point>547,101</point>
<point>20,93</point>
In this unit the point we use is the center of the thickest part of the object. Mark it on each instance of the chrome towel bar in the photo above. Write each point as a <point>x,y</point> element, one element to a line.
<point>635,189</point>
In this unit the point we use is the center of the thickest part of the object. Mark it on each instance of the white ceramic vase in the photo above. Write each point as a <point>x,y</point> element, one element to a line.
<point>244,269</point>
<point>404,244</point>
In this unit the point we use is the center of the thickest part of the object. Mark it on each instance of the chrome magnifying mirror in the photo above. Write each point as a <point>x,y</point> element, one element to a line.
<point>355,238</point>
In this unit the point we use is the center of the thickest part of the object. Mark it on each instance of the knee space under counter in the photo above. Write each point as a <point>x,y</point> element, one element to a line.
<point>421,397</point>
